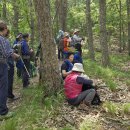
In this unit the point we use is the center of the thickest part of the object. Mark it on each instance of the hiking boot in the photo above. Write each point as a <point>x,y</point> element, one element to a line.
<point>13,99</point>
<point>7,116</point>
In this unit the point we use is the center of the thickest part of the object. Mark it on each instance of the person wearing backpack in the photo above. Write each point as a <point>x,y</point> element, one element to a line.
<point>26,53</point>
<point>60,44</point>
<point>77,41</point>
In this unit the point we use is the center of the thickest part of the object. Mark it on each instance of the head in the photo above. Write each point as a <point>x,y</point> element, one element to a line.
<point>70,57</point>
<point>19,37</point>
<point>78,67</point>
<point>3,28</point>
<point>7,34</point>
<point>76,31</point>
<point>26,37</point>
<point>66,34</point>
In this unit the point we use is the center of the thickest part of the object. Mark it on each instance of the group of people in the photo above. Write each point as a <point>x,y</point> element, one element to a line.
<point>77,86</point>
<point>69,43</point>
<point>21,53</point>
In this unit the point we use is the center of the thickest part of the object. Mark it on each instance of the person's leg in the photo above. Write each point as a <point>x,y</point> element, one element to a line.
<point>3,89</point>
<point>58,54</point>
<point>87,96</point>
<point>10,81</point>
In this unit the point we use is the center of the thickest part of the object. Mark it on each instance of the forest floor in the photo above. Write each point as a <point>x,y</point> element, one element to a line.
<point>55,113</point>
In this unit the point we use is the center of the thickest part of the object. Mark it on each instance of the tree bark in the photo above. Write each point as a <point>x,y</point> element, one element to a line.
<point>89,30</point>
<point>16,16</point>
<point>103,33</point>
<point>32,22</point>
<point>4,10</point>
<point>50,79</point>
<point>128,19</point>
<point>63,14</point>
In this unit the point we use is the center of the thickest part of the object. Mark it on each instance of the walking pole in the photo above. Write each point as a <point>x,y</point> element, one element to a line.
<point>25,67</point>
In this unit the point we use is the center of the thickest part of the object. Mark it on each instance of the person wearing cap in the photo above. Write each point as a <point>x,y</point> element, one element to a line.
<point>5,52</point>
<point>17,49</point>
<point>60,44</point>
<point>77,41</point>
<point>26,53</point>
<point>73,87</point>
<point>67,41</point>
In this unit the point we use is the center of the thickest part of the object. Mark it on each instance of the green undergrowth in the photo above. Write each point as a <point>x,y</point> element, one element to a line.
<point>108,74</point>
<point>32,113</point>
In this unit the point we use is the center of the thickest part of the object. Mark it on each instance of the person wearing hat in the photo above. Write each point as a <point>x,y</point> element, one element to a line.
<point>5,52</point>
<point>67,41</point>
<point>73,87</point>
<point>77,41</point>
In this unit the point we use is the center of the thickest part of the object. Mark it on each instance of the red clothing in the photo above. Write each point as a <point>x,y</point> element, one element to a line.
<point>66,44</point>
<point>72,88</point>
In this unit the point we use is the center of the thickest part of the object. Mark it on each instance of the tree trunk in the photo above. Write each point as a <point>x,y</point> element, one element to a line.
<point>63,14</point>
<point>50,79</point>
<point>89,30</point>
<point>103,33</point>
<point>128,19</point>
<point>32,22</point>
<point>4,10</point>
<point>16,16</point>
<point>120,26</point>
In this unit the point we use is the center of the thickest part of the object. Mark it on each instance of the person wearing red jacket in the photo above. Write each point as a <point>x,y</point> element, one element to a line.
<point>73,87</point>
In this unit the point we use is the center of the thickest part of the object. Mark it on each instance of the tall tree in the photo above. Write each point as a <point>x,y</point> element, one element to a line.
<point>32,21</point>
<point>4,10</point>
<point>16,16</point>
<point>50,77</point>
<point>103,33</point>
<point>89,30</point>
<point>128,19</point>
<point>63,5</point>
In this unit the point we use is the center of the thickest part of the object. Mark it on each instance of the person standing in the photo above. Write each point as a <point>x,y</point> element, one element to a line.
<point>77,41</point>
<point>5,52</point>
<point>26,52</point>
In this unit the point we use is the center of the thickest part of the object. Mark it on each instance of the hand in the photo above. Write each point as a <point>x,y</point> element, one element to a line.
<point>15,56</point>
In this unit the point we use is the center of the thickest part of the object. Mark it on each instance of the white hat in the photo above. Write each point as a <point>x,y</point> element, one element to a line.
<point>78,67</point>
<point>66,34</point>
<point>76,30</point>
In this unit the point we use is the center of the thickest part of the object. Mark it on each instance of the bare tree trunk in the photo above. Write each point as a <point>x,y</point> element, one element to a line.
<point>50,70</point>
<point>128,19</point>
<point>120,26</point>
<point>16,16</point>
<point>4,10</point>
<point>63,14</point>
<point>103,33</point>
<point>32,22</point>
<point>89,30</point>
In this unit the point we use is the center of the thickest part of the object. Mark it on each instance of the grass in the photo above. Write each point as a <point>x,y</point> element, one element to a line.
<point>32,114</point>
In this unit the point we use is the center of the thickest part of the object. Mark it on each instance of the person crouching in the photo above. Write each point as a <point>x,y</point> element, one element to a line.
<point>73,87</point>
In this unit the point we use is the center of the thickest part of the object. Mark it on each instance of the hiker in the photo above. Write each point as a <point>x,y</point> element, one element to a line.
<point>73,87</point>
<point>77,58</point>
<point>77,41</point>
<point>26,52</point>
<point>5,52</point>
<point>17,49</point>
<point>67,65</point>
<point>60,44</point>
<point>67,41</point>
<point>10,62</point>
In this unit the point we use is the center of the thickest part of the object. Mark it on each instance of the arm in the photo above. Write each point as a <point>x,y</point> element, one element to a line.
<point>64,73</point>
<point>83,80</point>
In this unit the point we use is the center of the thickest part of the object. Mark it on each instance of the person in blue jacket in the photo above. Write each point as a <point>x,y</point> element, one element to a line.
<point>26,52</point>
<point>77,58</point>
